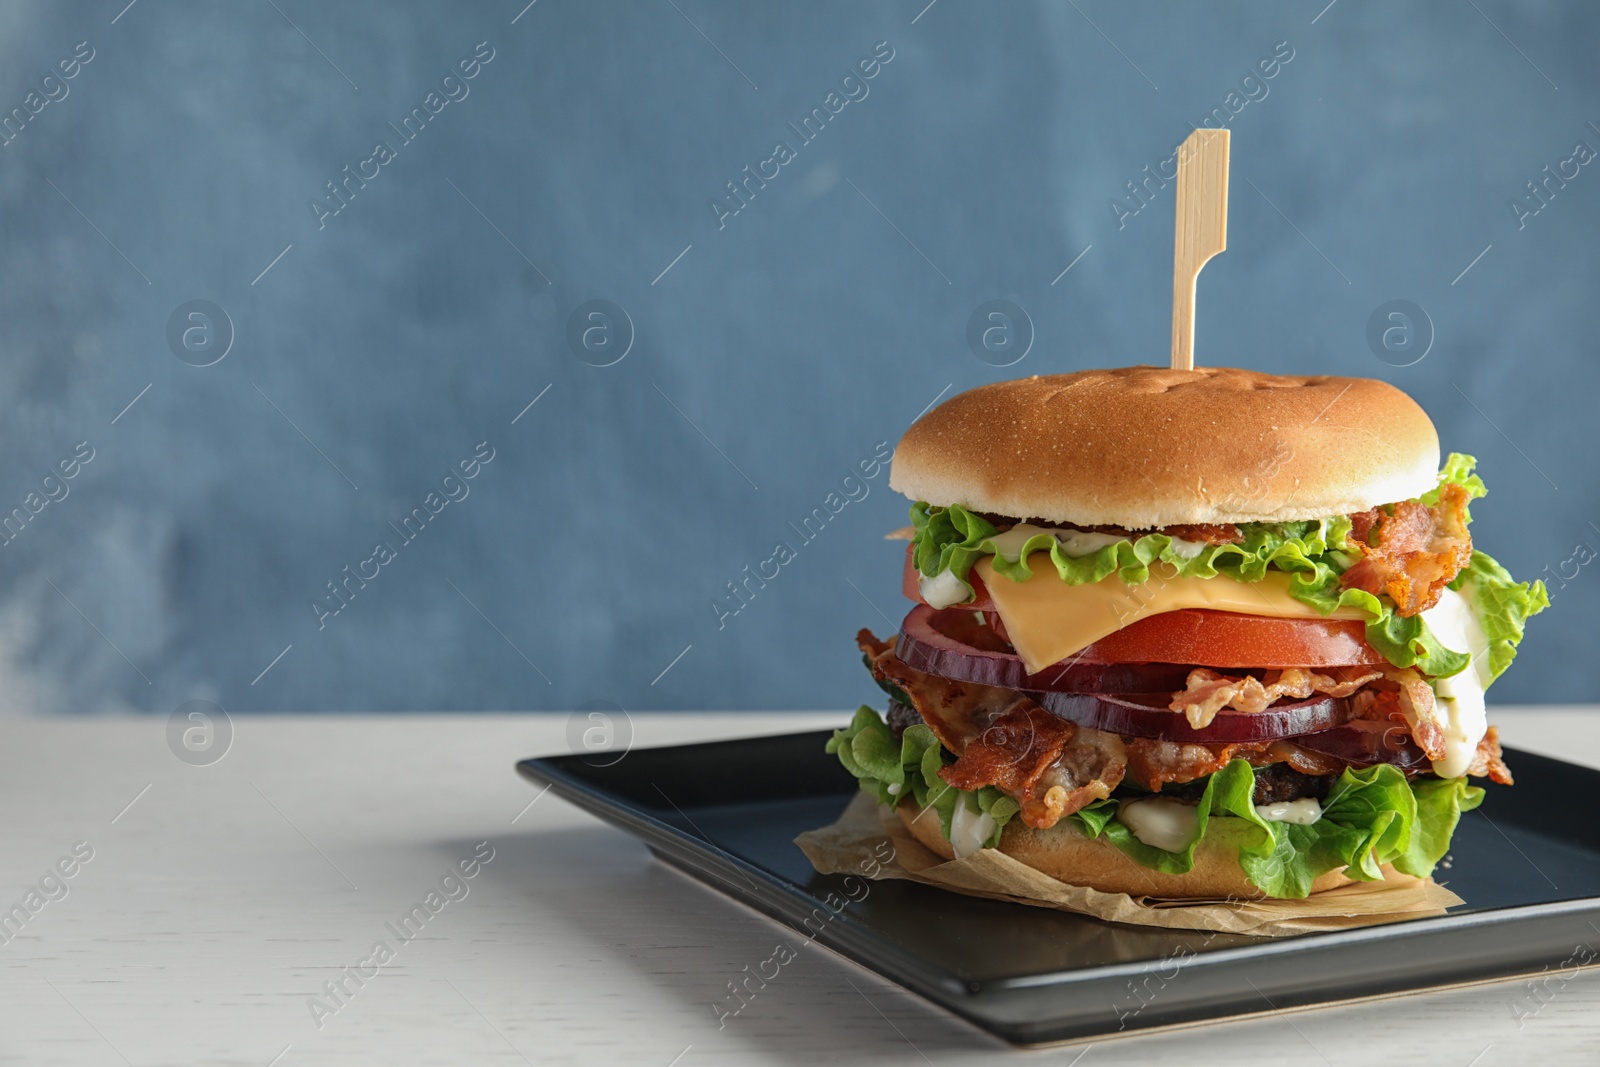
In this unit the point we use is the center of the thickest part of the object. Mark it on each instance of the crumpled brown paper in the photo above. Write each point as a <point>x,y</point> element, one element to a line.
<point>853,844</point>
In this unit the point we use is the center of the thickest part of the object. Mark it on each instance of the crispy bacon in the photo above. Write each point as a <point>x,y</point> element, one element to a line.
<point>950,708</point>
<point>1486,762</point>
<point>1011,751</point>
<point>1052,767</point>
<point>1153,763</point>
<point>1303,760</point>
<point>1362,524</point>
<point>1210,533</point>
<point>1002,738</point>
<point>1414,550</point>
<point>1208,692</point>
<point>1089,768</point>
<point>1404,696</point>
<point>1421,711</point>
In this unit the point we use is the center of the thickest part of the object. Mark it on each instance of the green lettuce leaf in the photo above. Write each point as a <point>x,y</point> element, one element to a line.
<point>1315,553</point>
<point>953,539</point>
<point>1228,792</point>
<point>1457,470</point>
<point>1094,815</point>
<point>1501,604</point>
<point>867,749</point>
<point>1404,642</point>
<point>1371,817</point>
<point>1440,802</point>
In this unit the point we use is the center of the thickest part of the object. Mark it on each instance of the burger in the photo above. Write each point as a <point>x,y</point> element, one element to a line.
<point>1188,634</point>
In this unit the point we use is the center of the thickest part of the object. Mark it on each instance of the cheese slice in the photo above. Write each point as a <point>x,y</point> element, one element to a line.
<point>1049,620</point>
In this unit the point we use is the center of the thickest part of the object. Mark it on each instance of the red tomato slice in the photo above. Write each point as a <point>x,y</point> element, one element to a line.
<point>1226,639</point>
<point>1211,638</point>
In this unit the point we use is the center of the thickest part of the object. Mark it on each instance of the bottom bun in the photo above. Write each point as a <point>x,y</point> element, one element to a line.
<point>1065,854</point>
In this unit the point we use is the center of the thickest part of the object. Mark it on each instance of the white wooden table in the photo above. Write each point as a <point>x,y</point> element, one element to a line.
<point>220,901</point>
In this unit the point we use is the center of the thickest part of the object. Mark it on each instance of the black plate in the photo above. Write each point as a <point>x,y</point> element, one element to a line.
<point>1527,862</point>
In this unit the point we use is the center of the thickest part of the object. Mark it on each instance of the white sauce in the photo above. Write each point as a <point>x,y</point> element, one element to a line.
<point>894,789</point>
<point>1085,543</point>
<point>969,829</point>
<point>1008,545</point>
<point>943,590</point>
<point>1075,543</point>
<point>1160,822</point>
<point>1460,698</point>
<point>1187,549</point>
<point>1302,812</point>
<point>1455,623</point>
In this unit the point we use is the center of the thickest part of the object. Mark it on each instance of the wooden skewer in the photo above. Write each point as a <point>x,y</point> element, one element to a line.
<point>1201,229</point>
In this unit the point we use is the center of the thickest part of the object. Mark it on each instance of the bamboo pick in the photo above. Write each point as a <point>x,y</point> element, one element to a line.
<point>1201,229</point>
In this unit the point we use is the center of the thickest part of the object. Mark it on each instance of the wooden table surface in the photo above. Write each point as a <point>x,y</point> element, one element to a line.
<point>217,900</point>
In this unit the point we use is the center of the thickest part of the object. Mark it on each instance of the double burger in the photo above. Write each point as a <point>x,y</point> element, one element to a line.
<point>1188,634</point>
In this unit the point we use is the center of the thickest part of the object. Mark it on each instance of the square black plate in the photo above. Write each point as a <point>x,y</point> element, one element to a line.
<point>1527,862</point>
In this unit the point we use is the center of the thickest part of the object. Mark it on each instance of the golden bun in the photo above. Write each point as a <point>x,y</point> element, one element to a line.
<point>1143,447</point>
<point>1065,854</point>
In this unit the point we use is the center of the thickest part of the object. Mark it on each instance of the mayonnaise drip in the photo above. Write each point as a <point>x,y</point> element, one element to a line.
<point>1160,822</point>
<point>1008,545</point>
<point>1460,697</point>
<point>1187,549</point>
<point>969,829</point>
<point>1302,812</point>
<point>943,590</point>
<point>1074,543</point>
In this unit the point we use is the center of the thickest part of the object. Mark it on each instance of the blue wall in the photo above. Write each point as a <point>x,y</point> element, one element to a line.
<point>783,345</point>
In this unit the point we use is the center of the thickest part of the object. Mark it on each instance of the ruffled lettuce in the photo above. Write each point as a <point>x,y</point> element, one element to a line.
<point>1315,553</point>
<point>1502,606</point>
<point>953,539</point>
<point>1371,817</point>
<point>1457,470</point>
<point>889,771</point>
<point>1405,641</point>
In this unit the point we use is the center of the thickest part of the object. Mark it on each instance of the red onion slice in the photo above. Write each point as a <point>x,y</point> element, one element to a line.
<point>1363,743</point>
<point>927,644</point>
<point>1135,716</point>
<point>1121,698</point>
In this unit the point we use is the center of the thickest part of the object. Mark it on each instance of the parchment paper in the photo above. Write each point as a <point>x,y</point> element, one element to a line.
<point>854,845</point>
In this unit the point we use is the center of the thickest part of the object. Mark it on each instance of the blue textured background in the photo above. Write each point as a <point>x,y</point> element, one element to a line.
<point>774,354</point>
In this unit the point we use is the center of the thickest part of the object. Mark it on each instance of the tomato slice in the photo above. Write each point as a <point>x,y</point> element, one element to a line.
<point>1227,639</point>
<point>1210,638</point>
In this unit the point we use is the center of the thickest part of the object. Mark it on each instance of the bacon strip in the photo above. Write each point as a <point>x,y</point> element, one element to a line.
<point>1210,533</point>
<point>1002,738</point>
<point>1090,767</point>
<point>1486,762</point>
<point>1208,692</point>
<point>1012,752</point>
<point>1404,696</point>
<point>1419,550</point>
<point>1153,763</point>
<point>1303,760</point>
<point>1053,768</point>
<point>1421,712</point>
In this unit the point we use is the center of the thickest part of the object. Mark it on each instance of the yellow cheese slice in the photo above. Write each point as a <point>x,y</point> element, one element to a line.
<point>1049,620</point>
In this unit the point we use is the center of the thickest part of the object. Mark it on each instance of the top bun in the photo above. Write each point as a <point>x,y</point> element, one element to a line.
<point>1145,447</point>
